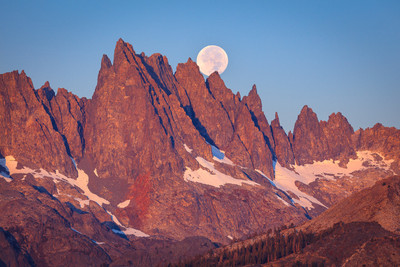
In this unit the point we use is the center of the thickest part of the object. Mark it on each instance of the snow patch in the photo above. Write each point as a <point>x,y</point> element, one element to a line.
<point>285,180</point>
<point>128,230</point>
<point>328,169</point>
<point>187,148</point>
<point>230,237</point>
<point>266,177</point>
<point>81,182</point>
<point>82,202</point>
<point>73,161</point>
<point>95,172</point>
<point>124,204</point>
<point>281,199</point>
<point>211,176</point>
<point>76,231</point>
<point>219,156</point>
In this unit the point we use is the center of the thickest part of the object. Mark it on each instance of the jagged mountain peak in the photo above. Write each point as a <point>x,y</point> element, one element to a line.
<point>190,65</point>
<point>123,53</point>
<point>105,62</point>
<point>276,118</point>
<point>253,90</point>
<point>176,155</point>
<point>46,85</point>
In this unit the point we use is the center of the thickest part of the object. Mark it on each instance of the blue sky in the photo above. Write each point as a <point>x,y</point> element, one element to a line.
<point>331,55</point>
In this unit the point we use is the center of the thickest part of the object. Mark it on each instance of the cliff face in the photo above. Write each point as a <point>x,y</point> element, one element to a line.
<point>147,131</point>
<point>29,131</point>
<point>309,140</point>
<point>282,145</point>
<point>175,155</point>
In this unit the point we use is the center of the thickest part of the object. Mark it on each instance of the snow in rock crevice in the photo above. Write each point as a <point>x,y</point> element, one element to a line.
<point>126,230</point>
<point>189,150</point>
<point>219,156</point>
<point>81,182</point>
<point>3,174</point>
<point>209,175</point>
<point>328,169</point>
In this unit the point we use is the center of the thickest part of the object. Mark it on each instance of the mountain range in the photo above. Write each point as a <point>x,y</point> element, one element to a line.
<point>158,166</point>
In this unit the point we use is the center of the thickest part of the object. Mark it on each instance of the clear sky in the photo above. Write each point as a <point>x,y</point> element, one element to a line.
<point>330,55</point>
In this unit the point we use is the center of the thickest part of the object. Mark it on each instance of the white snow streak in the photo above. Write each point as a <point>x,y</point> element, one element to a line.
<point>285,180</point>
<point>128,230</point>
<point>211,176</point>
<point>124,204</point>
<point>187,148</point>
<point>81,182</point>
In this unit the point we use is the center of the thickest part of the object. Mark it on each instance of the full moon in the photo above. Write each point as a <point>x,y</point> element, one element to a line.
<point>212,58</point>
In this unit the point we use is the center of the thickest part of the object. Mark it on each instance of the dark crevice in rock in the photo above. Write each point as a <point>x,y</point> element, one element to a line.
<point>152,94</point>
<point>197,124</point>
<point>266,139</point>
<point>155,77</point>
<point>81,135</point>
<point>16,248</point>
<point>75,209</point>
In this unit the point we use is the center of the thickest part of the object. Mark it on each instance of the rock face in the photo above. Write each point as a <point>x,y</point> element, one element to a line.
<point>167,153</point>
<point>282,145</point>
<point>253,102</point>
<point>67,112</point>
<point>309,140</point>
<point>140,126</point>
<point>381,139</point>
<point>29,131</point>
<point>338,133</point>
<point>361,229</point>
<point>379,203</point>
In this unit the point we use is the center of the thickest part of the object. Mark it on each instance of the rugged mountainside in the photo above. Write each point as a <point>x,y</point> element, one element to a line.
<point>361,230</point>
<point>173,155</point>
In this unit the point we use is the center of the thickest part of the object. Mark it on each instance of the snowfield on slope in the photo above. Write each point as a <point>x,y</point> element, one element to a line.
<point>81,182</point>
<point>209,175</point>
<point>328,169</point>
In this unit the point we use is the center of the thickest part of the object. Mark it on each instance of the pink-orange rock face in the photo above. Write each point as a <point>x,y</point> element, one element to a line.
<point>68,112</point>
<point>125,127</point>
<point>145,126</point>
<point>28,131</point>
<point>309,141</point>
<point>338,133</point>
<point>283,147</point>
<point>212,118</point>
<point>385,140</point>
<point>253,102</point>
